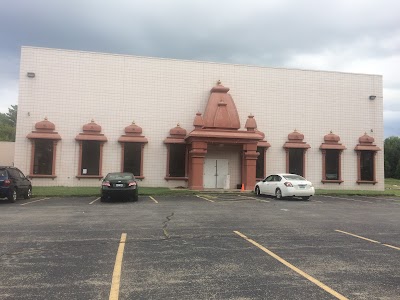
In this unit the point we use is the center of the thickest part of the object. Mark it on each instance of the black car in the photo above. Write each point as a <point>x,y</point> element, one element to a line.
<point>14,184</point>
<point>119,186</point>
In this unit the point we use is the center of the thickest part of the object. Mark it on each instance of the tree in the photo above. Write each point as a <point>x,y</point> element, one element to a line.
<point>8,124</point>
<point>7,133</point>
<point>397,171</point>
<point>392,157</point>
<point>11,116</point>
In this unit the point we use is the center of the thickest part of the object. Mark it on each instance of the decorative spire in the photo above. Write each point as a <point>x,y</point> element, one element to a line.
<point>295,136</point>
<point>331,138</point>
<point>45,125</point>
<point>198,121</point>
<point>250,123</point>
<point>133,129</point>
<point>91,127</point>
<point>177,131</point>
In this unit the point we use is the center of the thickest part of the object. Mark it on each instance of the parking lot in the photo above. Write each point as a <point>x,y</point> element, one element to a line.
<point>206,246</point>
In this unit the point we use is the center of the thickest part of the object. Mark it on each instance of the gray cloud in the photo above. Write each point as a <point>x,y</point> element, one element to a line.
<point>353,36</point>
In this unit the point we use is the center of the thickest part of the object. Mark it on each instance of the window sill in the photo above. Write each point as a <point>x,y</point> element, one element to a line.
<point>41,176</point>
<point>367,181</point>
<point>331,181</point>
<point>176,178</point>
<point>89,176</point>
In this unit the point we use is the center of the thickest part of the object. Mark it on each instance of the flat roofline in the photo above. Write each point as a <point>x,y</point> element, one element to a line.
<point>196,61</point>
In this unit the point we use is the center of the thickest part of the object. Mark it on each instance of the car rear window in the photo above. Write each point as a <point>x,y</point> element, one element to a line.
<point>294,177</point>
<point>3,174</point>
<point>120,176</point>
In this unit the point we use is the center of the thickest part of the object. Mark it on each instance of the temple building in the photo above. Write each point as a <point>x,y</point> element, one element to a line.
<point>200,125</point>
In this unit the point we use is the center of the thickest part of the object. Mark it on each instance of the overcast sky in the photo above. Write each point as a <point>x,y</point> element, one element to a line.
<point>361,36</point>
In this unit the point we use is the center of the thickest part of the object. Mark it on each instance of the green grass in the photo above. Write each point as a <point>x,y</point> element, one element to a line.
<point>392,184</point>
<point>392,188</point>
<point>358,193</point>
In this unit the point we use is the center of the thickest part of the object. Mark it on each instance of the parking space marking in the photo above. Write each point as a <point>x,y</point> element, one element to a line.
<point>204,198</point>
<point>349,199</point>
<point>210,196</point>
<point>116,278</point>
<point>397,248</point>
<point>248,197</point>
<point>94,200</point>
<point>153,199</point>
<point>289,265</point>
<point>254,198</point>
<point>35,201</point>
<point>357,236</point>
<point>369,240</point>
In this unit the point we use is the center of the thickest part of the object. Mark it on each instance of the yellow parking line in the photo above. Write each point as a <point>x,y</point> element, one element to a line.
<point>204,198</point>
<point>357,236</point>
<point>397,248</point>
<point>153,199</point>
<point>281,260</point>
<point>94,200</point>
<point>116,279</point>
<point>369,240</point>
<point>34,201</point>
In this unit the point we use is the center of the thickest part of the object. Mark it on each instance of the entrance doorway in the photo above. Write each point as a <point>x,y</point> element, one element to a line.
<point>216,172</point>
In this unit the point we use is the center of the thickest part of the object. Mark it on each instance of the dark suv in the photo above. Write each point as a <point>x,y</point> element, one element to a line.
<point>14,184</point>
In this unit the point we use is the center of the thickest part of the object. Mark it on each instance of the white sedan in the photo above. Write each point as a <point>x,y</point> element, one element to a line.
<point>285,185</point>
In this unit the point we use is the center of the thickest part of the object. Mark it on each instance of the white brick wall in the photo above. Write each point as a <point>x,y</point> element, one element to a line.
<point>73,87</point>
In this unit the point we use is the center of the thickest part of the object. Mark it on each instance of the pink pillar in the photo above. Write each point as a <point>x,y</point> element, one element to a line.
<point>197,155</point>
<point>250,163</point>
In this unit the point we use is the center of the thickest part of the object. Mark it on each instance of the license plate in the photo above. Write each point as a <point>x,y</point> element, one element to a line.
<point>302,186</point>
<point>119,185</point>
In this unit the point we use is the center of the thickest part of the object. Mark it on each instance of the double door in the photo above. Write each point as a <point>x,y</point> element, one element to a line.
<point>216,173</point>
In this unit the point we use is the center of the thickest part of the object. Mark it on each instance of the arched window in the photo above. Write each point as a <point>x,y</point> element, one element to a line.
<point>91,143</point>
<point>296,154</point>
<point>44,145</point>
<point>332,159</point>
<point>366,159</point>
<point>177,154</point>
<point>132,144</point>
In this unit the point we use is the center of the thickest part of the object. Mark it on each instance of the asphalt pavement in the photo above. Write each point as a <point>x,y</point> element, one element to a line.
<point>206,246</point>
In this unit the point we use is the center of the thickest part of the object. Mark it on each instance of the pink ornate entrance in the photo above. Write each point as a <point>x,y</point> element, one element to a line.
<point>220,125</point>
